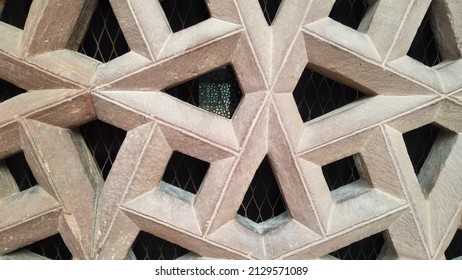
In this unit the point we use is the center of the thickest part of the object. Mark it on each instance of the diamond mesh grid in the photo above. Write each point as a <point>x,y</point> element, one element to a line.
<point>424,47</point>
<point>263,199</point>
<point>182,14</point>
<point>340,173</point>
<point>317,95</point>
<point>15,12</point>
<point>366,249</point>
<point>419,143</point>
<point>105,41</point>
<point>349,12</point>
<point>185,172</point>
<point>269,9</point>
<point>148,247</point>
<point>52,247</point>
<point>20,171</point>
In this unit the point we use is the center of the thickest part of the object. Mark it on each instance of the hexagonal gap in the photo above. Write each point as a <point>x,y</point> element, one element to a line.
<point>454,249</point>
<point>270,9</point>
<point>185,13</point>
<point>149,247</point>
<point>352,13</point>
<point>52,247</point>
<point>419,143</point>
<point>317,95</point>
<point>14,12</point>
<point>342,172</point>
<point>369,248</point>
<point>217,91</point>
<point>185,172</point>
<point>104,40</point>
<point>424,47</point>
<point>20,170</point>
<point>104,142</point>
<point>8,90</point>
<point>263,199</point>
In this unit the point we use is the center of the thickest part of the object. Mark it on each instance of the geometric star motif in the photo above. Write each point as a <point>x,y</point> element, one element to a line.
<point>100,219</point>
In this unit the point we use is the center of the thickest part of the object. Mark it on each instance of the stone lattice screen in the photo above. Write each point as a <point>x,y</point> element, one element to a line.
<point>376,155</point>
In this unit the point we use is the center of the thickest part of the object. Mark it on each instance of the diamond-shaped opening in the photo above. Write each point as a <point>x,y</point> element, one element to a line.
<point>185,172</point>
<point>20,171</point>
<point>52,247</point>
<point>217,91</point>
<point>185,13</point>
<point>104,40</point>
<point>104,142</point>
<point>14,12</point>
<point>341,172</point>
<point>149,247</point>
<point>419,143</point>
<point>454,249</point>
<point>368,248</point>
<point>263,200</point>
<point>8,90</point>
<point>317,95</point>
<point>424,47</point>
<point>349,12</point>
<point>269,9</point>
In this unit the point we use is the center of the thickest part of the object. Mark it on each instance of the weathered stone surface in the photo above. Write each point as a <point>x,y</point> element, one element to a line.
<point>101,219</point>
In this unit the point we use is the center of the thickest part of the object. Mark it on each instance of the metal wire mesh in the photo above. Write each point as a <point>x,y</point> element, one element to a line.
<point>349,12</point>
<point>15,12</point>
<point>340,173</point>
<point>263,199</point>
<point>317,95</point>
<point>182,14</point>
<point>269,9</point>
<point>419,143</point>
<point>52,247</point>
<point>104,40</point>
<point>104,142</point>
<point>185,172</point>
<point>454,249</point>
<point>366,249</point>
<point>149,247</point>
<point>424,47</point>
<point>20,171</point>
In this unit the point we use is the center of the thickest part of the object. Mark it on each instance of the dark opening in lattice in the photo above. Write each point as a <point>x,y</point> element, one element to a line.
<point>8,90</point>
<point>149,247</point>
<point>104,40</point>
<point>263,199</point>
<point>217,91</point>
<point>419,143</point>
<point>104,142</point>
<point>15,12</point>
<point>317,95</point>
<point>182,14</point>
<point>454,249</point>
<point>340,173</point>
<point>52,247</point>
<point>349,12</point>
<point>424,47</point>
<point>368,248</point>
<point>20,171</point>
<point>269,9</point>
<point>185,172</point>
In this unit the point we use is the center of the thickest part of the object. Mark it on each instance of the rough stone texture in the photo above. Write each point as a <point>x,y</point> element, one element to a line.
<point>100,220</point>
